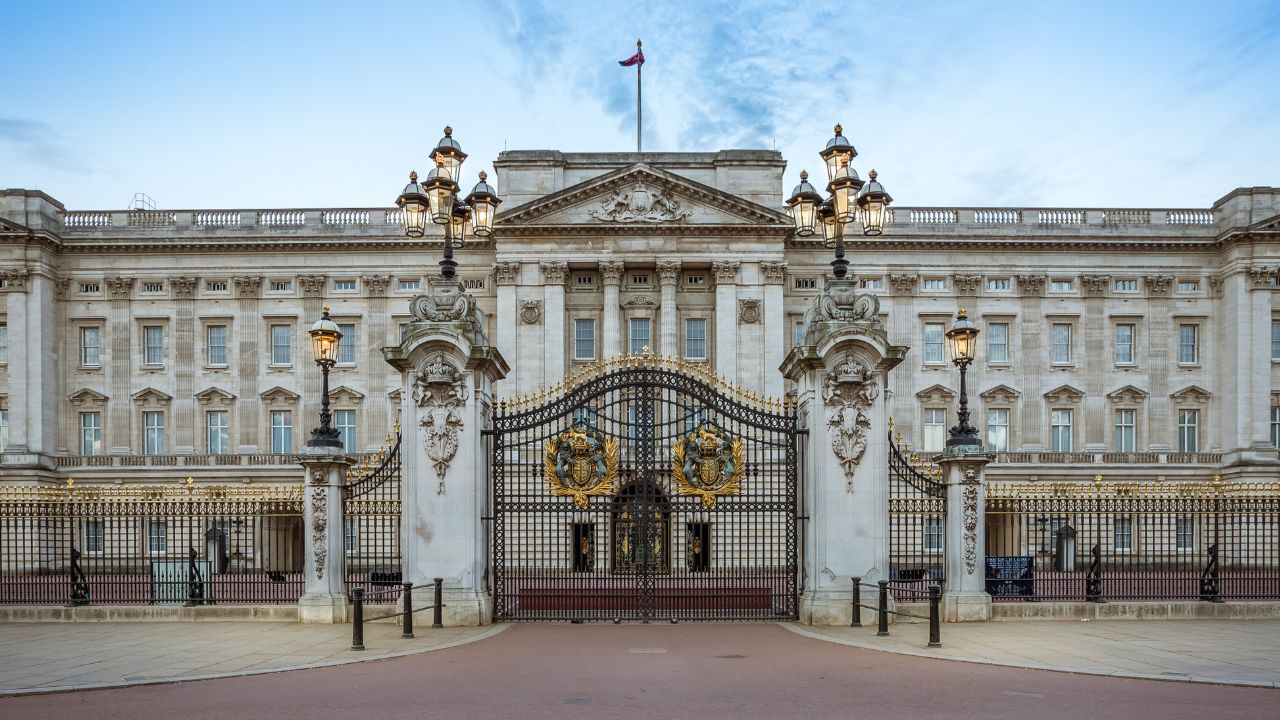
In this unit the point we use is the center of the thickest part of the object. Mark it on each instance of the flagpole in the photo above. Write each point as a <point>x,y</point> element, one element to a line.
<point>639,107</point>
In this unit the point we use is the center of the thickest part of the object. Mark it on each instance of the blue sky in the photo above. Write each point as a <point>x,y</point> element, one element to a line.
<point>319,104</point>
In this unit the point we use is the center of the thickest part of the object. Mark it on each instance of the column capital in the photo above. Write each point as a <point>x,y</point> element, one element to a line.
<point>611,271</point>
<point>725,271</point>
<point>184,286</point>
<point>775,273</point>
<point>554,272</point>
<point>1031,285</point>
<point>1095,285</point>
<point>668,271</point>
<point>375,285</point>
<point>1261,276</point>
<point>967,284</point>
<point>1158,285</point>
<point>506,272</point>
<point>312,285</point>
<point>15,279</point>
<point>248,286</point>
<point>120,288</point>
<point>904,283</point>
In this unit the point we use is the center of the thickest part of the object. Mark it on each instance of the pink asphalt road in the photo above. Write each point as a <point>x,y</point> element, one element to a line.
<point>657,671</point>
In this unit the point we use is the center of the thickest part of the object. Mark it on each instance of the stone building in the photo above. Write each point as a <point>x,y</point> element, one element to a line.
<point>155,344</point>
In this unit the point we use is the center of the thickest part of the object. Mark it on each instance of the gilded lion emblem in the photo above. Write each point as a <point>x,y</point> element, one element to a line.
<point>708,463</point>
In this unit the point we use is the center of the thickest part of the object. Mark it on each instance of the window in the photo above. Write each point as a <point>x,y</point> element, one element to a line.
<point>404,330</point>
<point>1122,537</point>
<point>345,421</point>
<point>216,425</point>
<point>695,338</point>
<point>90,347</point>
<point>216,344</point>
<point>91,433</point>
<point>1061,344</point>
<point>1275,339</point>
<point>1186,534</point>
<point>153,345</point>
<point>584,280</point>
<point>998,343</point>
<point>1188,431</point>
<point>281,431</point>
<point>935,429</point>
<point>639,335</point>
<point>281,345</point>
<point>215,286</point>
<point>410,284</point>
<point>1188,344</point>
<point>1126,435</point>
<point>1060,439</point>
<point>152,433</point>
<point>934,284</point>
<point>998,430</point>
<point>153,287</point>
<point>344,285</point>
<point>584,339</point>
<point>1130,285</point>
<point>695,280</point>
<point>799,333</point>
<point>473,283</point>
<point>933,334</point>
<point>1124,344</point>
<point>998,284</point>
<point>4,343</point>
<point>805,283</point>
<point>1061,285</point>
<point>871,284</point>
<point>632,423</point>
<point>1275,426</point>
<point>933,534</point>
<point>90,288</point>
<point>281,286</point>
<point>157,537</point>
<point>1188,286</point>
<point>347,345</point>
<point>640,279</point>
<point>4,430</point>
<point>351,535</point>
<point>94,532</point>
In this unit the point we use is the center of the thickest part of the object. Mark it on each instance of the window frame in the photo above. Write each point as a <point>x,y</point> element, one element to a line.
<point>578,339</point>
<point>224,429</point>
<point>96,331</point>
<point>1127,534</point>
<point>933,534</point>
<point>347,344</point>
<point>992,444</point>
<point>1178,533</point>
<point>209,345</point>
<point>1126,431</point>
<point>152,536</point>
<point>1195,344</point>
<point>1054,344</point>
<point>94,447</point>
<point>4,342</point>
<point>930,426</point>
<point>1188,432</point>
<point>288,346</point>
<point>991,358</point>
<point>152,434</point>
<point>338,417</point>
<point>688,337</point>
<point>1131,344</point>
<point>646,341</point>
<point>148,360</point>
<point>1054,435</point>
<point>940,344</point>
<point>281,432</point>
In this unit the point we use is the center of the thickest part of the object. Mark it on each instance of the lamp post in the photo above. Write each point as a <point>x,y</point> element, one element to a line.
<point>436,201</point>
<point>963,341</point>
<point>850,201</point>
<point>325,336</point>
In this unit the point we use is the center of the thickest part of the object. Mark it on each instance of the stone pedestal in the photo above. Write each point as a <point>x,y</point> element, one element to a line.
<point>965,598</point>
<point>324,595</point>
<point>841,370</point>
<point>447,372</point>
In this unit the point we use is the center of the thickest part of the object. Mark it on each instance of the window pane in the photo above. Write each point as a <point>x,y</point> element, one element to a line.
<point>4,343</point>
<point>639,336</point>
<point>1061,343</point>
<point>90,433</point>
<point>1123,535</point>
<point>1125,430</point>
<point>1186,534</point>
<point>157,536</point>
<point>1187,350</point>
<point>935,429</point>
<point>347,345</point>
<point>1275,427</point>
<point>1188,430</point>
<point>281,345</point>
<point>4,430</point>
<point>216,336</point>
<point>90,345</point>
<point>1124,344</point>
<point>998,430</point>
<point>216,425</point>
<point>1060,435</point>
<point>153,353</point>
<point>345,421</point>
<point>93,535</point>
<point>933,335</point>
<point>799,332</point>
<point>1275,340</point>
<point>281,431</point>
<point>584,339</point>
<point>153,433</point>
<point>998,343</point>
<point>695,338</point>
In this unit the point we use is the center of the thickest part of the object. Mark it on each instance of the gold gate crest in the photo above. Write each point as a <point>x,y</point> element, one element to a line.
<point>581,462</point>
<point>708,463</point>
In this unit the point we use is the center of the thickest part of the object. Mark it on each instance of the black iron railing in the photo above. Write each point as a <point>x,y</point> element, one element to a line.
<point>917,521</point>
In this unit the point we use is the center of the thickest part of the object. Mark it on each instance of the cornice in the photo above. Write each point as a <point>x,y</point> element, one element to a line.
<point>206,244</point>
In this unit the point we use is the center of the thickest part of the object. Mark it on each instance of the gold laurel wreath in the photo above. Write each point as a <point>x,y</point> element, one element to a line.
<point>729,487</point>
<point>606,486</point>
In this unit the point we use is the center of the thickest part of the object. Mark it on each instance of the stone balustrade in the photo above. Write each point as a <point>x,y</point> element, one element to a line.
<point>185,461</point>
<point>1108,458</point>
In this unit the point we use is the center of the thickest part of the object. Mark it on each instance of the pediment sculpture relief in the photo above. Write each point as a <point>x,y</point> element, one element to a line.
<point>639,203</point>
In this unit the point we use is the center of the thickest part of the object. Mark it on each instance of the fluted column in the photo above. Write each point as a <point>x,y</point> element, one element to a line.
<point>1034,354</point>
<point>726,274</point>
<point>555,343</point>
<point>668,276</point>
<point>506,277</point>
<point>611,276</point>
<point>183,421</point>
<point>774,275</point>
<point>249,329</point>
<point>120,332</point>
<point>375,405</point>
<point>20,395</point>
<point>312,287</point>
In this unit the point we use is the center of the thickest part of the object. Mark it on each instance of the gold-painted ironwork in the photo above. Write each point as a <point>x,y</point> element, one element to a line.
<point>581,463</point>
<point>708,463</point>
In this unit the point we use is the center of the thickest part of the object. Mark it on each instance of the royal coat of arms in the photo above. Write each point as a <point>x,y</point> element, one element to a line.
<point>708,463</point>
<point>581,462</point>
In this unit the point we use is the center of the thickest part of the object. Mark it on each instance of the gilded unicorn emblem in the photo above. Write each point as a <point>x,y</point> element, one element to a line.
<point>708,463</point>
<point>581,462</point>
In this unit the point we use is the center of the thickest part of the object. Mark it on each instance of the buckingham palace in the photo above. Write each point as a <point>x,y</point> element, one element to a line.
<point>1134,346</point>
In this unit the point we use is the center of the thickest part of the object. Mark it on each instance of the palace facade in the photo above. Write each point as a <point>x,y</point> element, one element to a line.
<point>153,345</point>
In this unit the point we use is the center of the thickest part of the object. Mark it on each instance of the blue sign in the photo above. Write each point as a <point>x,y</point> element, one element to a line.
<point>1011,576</point>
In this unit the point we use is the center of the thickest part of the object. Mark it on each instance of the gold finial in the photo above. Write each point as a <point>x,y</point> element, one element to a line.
<point>190,481</point>
<point>804,175</point>
<point>324,310</point>
<point>413,176</point>
<point>448,131</point>
<point>872,175</point>
<point>890,419</point>
<point>397,424</point>
<point>483,176</point>
<point>960,315</point>
<point>1097,479</point>
<point>839,129</point>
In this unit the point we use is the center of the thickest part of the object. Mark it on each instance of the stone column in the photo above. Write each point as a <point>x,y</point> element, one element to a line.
<point>841,371</point>
<point>120,332</point>
<point>611,276</point>
<point>669,331</point>
<point>965,596</point>
<point>553,315</point>
<point>726,275</point>
<point>1094,365</point>
<point>506,276</point>
<point>1161,426</point>
<point>183,421</point>
<point>249,332</point>
<point>324,597</point>
<point>448,370</point>
<point>776,339</point>
<point>376,321</point>
<point>1032,347</point>
<point>21,419</point>
<point>312,287</point>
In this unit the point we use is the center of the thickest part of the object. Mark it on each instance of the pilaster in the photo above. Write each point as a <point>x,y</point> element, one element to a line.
<point>249,332</point>
<point>668,277</point>
<point>726,276</point>
<point>555,343</point>
<point>611,333</point>
<point>120,331</point>
<point>376,330</point>
<point>183,422</point>
<point>774,275</point>
<point>1034,354</point>
<point>506,277</point>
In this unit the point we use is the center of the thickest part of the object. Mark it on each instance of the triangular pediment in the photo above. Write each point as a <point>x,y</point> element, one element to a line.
<point>344,394</point>
<point>1000,393</point>
<point>214,396</point>
<point>1064,393</point>
<point>1191,394</point>
<point>278,394</point>
<point>640,196</point>
<point>151,395</point>
<point>86,396</point>
<point>1128,393</point>
<point>934,393</point>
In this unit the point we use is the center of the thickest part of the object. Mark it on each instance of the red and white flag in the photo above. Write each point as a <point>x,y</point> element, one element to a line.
<point>637,59</point>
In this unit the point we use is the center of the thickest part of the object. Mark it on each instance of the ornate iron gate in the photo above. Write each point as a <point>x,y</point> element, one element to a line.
<point>371,521</point>
<point>644,488</point>
<point>917,518</point>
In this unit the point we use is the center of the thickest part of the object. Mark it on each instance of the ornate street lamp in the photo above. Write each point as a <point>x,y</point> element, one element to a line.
<point>963,341</point>
<point>437,200</point>
<point>848,202</point>
<point>325,336</point>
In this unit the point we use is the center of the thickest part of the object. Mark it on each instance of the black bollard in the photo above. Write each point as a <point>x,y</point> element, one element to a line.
<point>408,612</point>
<point>437,616</point>
<point>935,633</point>
<point>357,619</point>
<point>882,623</point>
<point>857,603</point>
